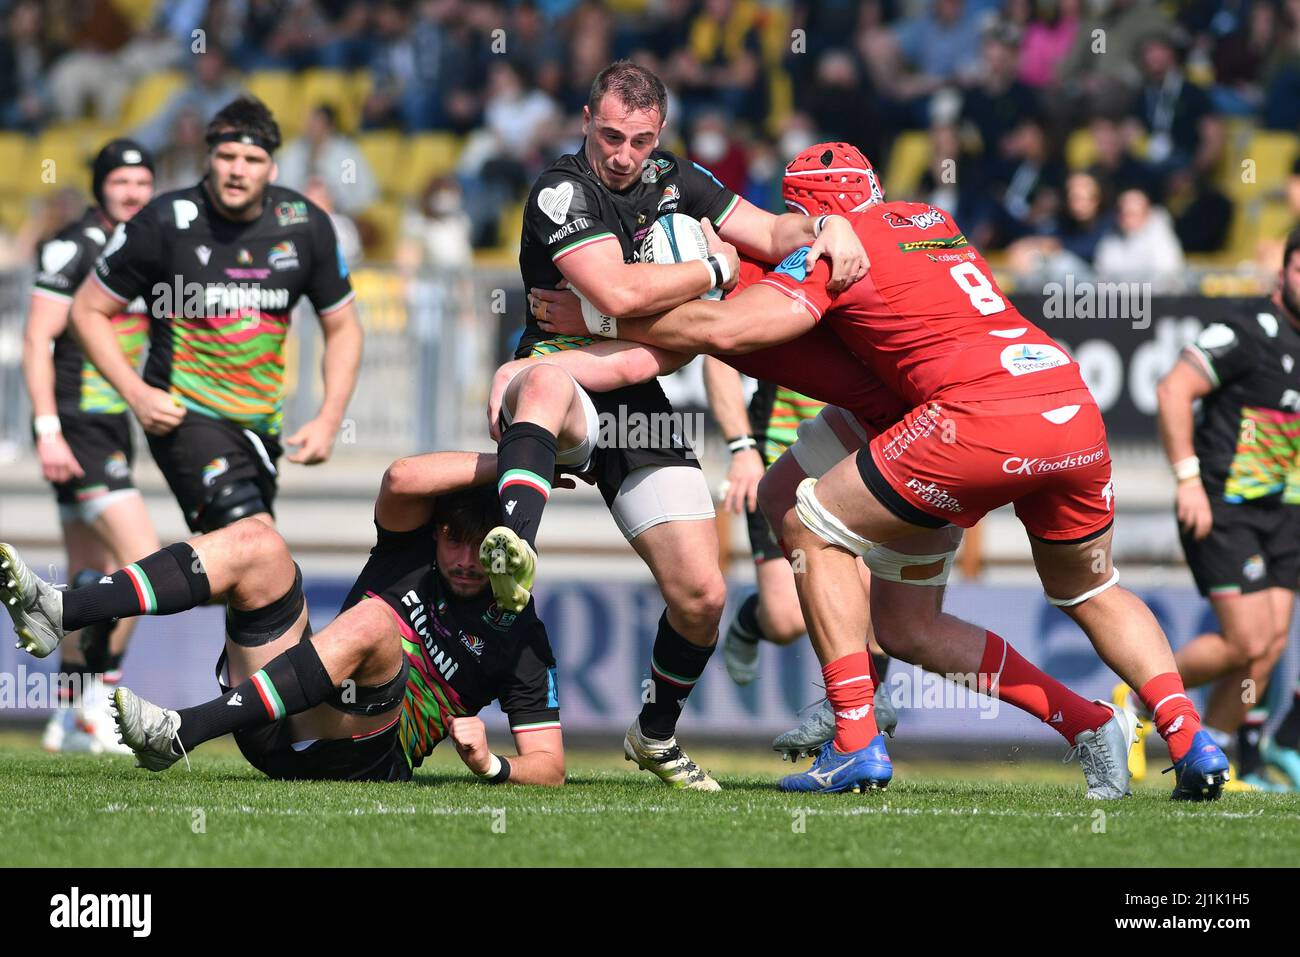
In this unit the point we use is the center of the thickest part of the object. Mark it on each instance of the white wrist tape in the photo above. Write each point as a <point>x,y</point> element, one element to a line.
<point>494,768</point>
<point>47,425</point>
<point>598,324</point>
<point>1187,468</point>
<point>723,269</point>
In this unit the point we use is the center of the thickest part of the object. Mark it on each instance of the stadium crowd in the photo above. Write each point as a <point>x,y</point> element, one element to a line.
<point>1101,137</point>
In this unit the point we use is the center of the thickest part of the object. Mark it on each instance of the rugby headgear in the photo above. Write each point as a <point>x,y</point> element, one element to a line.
<point>115,155</point>
<point>830,178</point>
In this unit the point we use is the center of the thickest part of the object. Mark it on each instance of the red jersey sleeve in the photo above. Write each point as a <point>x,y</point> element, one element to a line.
<point>805,286</point>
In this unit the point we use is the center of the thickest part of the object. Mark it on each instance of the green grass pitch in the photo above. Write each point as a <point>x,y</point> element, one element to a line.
<point>61,810</point>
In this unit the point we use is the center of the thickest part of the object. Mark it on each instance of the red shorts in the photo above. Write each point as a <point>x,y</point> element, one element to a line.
<point>955,461</point>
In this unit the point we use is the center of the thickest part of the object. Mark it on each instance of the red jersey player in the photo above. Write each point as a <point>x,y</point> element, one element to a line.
<point>917,631</point>
<point>1000,415</point>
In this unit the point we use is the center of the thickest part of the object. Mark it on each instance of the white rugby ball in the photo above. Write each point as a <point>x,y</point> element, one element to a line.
<point>676,238</point>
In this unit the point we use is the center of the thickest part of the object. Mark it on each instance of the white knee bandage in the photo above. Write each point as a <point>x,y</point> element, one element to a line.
<point>1071,602</point>
<point>825,525</point>
<point>892,566</point>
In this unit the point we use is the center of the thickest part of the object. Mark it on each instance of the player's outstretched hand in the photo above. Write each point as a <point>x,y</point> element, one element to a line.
<point>1194,509</point>
<point>848,259</point>
<point>720,247</point>
<point>315,441</point>
<point>470,738</point>
<point>557,310</point>
<point>158,410</point>
<point>58,464</point>
<point>742,482</point>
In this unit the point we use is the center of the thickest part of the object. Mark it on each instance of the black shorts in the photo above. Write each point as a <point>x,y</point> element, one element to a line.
<point>612,463</point>
<point>762,540</point>
<point>1249,548</point>
<point>375,757</point>
<point>104,450</point>
<point>203,454</point>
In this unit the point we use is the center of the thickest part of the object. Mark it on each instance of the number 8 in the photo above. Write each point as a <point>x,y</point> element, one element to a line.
<point>976,285</point>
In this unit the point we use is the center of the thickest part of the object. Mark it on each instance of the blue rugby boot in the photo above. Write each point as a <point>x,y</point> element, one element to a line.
<point>863,770</point>
<point>1202,772</point>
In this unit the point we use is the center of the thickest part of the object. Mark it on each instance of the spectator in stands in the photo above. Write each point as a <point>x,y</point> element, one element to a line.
<point>722,64</point>
<point>1241,58</point>
<point>1072,246</point>
<point>1115,163</point>
<point>317,189</point>
<point>279,35</point>
<point>1142,246</point>
<point>1103,65</point>
<point>1201,212</point>
<point>322,151</point>
<point>184,159</point>
<point>713,144</point>
<point>1182,130</point>
<point>501,158</point>
<point>842,102</point>
<point>998,102</point>
<point>89,72</point>
<point>346,43</point>
<point>1025,178</point>
<point>1282,76</point>
<point>953,181</point>
<point>1049,35</point>
<point>211,88</point>
<point>24,58</point>
<point>436,233</point>
<point>937,47</point>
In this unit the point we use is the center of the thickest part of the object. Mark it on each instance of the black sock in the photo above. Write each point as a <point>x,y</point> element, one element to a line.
<point>1288,732</point>
<point>525,467</point>
<point>290,683</point>
<point>168,581</point>
<point>745,626</point>
<point>72,679</point>
<point>1248,735</point>
<point>881,661</point>
<point>675,666</point>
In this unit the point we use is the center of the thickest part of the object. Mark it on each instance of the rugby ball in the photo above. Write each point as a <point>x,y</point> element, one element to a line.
<point>676,238</point>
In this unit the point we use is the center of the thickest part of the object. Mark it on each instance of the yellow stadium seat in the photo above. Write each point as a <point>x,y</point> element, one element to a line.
<point>1269,154</point>
<point>383,151</point>
<point>14,210</point>
<point>139,12</point>
<point>57,159</point>
<point>149,95</point>
<point>1080,149</point>
<point>13,161</point>
<point>278,89</point>
<point>427,155</point>
<point>907,163</point>
<point>1275,220</point>
<point>334,88</point>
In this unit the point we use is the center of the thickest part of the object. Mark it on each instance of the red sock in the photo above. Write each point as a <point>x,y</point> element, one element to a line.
<point>1172,711</point>
<point>851,691</point>
<point>1010,678</point>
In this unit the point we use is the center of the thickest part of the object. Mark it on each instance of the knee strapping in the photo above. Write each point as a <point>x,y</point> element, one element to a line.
<point>1091,593</point>
<point>824,525</point>
<point>889,565</point>
<point>263,625</point>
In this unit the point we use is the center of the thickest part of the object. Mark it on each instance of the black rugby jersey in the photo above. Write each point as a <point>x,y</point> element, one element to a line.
<point>569,208</point>
<point>221,293</point>
<point>63,261</point>
<point>1247,434</point>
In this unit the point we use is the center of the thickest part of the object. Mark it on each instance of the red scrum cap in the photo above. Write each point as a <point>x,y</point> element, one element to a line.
<point>830,178</point>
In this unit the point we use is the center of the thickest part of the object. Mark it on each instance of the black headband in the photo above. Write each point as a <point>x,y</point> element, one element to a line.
<point>236,136</point>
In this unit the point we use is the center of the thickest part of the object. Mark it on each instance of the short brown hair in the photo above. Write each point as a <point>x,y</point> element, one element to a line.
<point>248,115</point>
<point>468,515</point>
<point>637,87</point>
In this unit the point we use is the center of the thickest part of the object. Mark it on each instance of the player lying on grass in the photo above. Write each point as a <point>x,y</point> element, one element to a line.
<point>1000,415</point>
<point>418,650</point>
